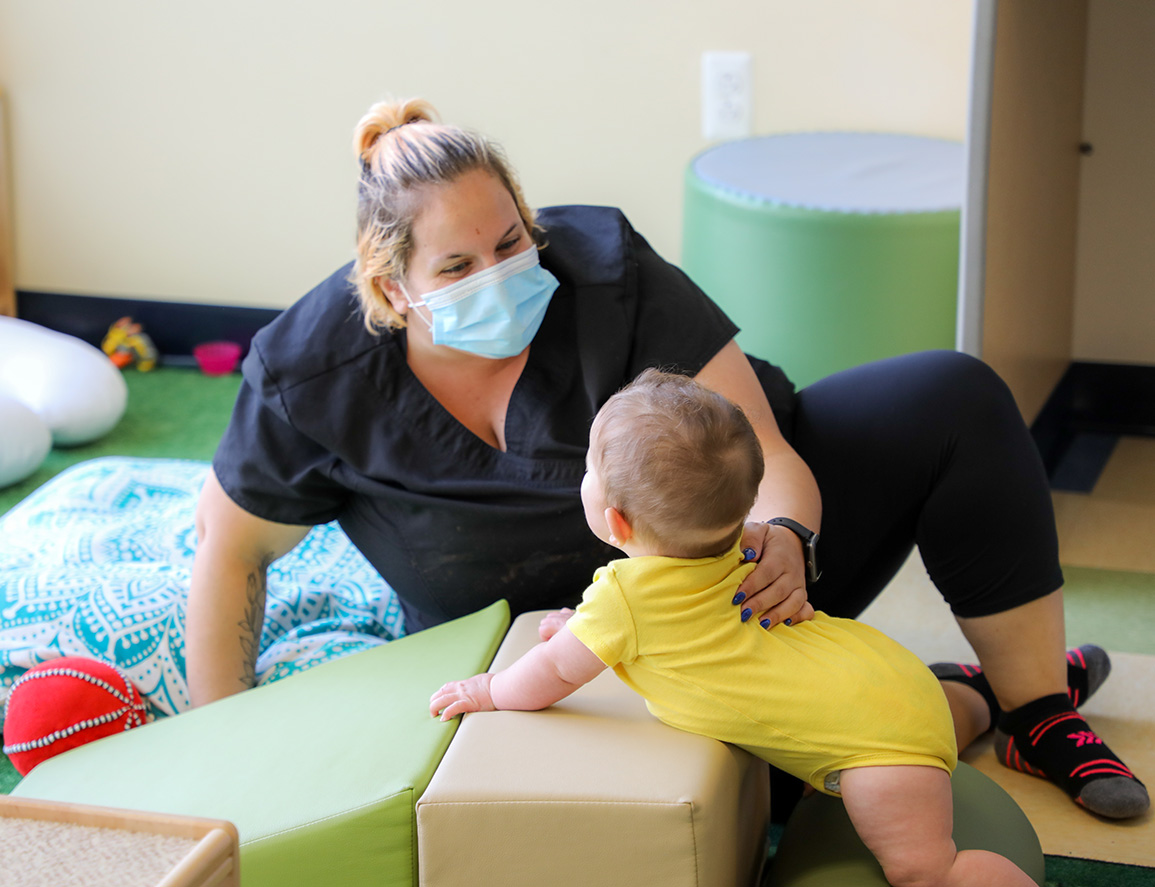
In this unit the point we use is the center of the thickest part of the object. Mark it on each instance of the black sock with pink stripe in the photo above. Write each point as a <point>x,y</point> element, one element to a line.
<point>1087,668</point>
<point>973,677</point>
<point>1049,738</point>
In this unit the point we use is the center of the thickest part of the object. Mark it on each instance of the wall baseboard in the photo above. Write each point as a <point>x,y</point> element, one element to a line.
<point>1092,406</point>
<point>174,327</point>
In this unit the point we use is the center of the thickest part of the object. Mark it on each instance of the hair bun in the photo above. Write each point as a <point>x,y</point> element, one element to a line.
<point>385,116</point>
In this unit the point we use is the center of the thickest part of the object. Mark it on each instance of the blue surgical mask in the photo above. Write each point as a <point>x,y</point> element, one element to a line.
<point>494,313</point>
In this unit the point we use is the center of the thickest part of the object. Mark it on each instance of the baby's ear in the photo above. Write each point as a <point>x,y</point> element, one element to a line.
<point>618,526</point>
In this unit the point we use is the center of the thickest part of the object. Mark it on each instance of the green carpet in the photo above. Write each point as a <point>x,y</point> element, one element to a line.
<point>172,413</point>
<point>8,776</point>
<point>180,413</point>
<point>1064,872</point>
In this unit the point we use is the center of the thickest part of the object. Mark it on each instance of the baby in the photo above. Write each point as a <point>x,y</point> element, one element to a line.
<point>672,472</point>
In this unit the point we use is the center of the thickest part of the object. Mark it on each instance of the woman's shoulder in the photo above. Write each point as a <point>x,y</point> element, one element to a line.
<point>323,332</point>
<point>589,245</point>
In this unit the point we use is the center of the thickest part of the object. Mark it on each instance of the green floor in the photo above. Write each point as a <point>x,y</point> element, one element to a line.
<point>172,412</point>
<point>1113,609</point>
<point>180,413</point>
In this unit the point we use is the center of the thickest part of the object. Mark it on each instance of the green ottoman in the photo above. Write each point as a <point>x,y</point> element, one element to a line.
<point>319,772</point>
<point>820,848</point>
<point>829,250</point>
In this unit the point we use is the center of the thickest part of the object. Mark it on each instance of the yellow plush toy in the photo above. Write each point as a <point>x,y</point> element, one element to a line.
<point>127,344</point>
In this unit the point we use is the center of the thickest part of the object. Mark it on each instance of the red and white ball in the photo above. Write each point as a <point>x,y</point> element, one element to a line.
<point>64,703</point>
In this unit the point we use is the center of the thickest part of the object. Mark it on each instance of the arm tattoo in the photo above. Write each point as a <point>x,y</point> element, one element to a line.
<point>250,626</point>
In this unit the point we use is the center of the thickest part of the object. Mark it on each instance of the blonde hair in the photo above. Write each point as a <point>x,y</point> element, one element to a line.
<point>402,149</point>
<point>679,461</point>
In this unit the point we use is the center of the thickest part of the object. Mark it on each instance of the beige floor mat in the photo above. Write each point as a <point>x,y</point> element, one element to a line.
<point>1122,712</point>
<point>1113,526</point>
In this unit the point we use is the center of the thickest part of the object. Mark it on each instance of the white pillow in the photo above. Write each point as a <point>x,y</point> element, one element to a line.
<point>71,385</point>
<point>24,441</point>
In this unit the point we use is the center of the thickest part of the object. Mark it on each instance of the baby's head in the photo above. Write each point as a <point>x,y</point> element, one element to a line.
<point>681,463</point>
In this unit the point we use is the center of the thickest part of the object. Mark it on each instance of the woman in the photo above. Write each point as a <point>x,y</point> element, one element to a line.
<point>436,397</point>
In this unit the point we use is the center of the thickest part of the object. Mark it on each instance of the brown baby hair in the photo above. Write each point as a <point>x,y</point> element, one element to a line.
<point>403,149</point>
<point>679,461</point>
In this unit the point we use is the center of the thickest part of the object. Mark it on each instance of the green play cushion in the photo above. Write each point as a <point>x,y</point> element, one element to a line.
<point>319,772</point>
<point>819,847</point>
<point>828,250</point>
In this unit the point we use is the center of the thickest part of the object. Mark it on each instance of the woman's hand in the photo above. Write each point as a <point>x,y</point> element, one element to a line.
<point>776,589</point>
<point>552,623</point>
<point>458,697</point>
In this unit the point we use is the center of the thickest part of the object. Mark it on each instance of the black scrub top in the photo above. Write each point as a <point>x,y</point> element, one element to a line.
<point>331,424</point>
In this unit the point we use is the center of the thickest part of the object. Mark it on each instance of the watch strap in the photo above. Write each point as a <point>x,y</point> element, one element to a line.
<point>809,544</point>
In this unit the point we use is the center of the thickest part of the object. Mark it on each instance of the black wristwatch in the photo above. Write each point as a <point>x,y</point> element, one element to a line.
<point>809,545</point>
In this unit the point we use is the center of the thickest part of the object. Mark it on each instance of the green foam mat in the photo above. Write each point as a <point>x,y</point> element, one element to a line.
<point>319,772</point>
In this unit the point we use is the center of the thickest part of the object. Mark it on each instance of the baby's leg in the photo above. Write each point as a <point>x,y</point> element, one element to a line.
<point>905,816</point>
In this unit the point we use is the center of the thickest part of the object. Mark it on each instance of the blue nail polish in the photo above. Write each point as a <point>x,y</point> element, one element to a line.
<point>739,597</point>
<point>749,554</point>
<point>765,623</point>
<point>789,621</point>
<point>747,613</point>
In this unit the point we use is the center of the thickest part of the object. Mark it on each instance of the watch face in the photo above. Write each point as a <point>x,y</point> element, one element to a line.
<point>812,571</point>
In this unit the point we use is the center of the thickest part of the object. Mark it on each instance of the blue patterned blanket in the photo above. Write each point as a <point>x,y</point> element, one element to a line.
<point>97,563</point>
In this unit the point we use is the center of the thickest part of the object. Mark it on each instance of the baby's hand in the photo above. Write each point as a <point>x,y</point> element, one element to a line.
<point>457,697</point>
<point>553,622</point>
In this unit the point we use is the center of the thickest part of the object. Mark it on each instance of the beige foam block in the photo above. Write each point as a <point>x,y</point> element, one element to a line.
<point>593,790</point>
<point>1123,714</point>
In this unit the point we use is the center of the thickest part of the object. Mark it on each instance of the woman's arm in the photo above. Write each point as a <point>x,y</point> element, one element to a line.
<point>546,674</point>
<point>226,603</point>
<point>776,589</point>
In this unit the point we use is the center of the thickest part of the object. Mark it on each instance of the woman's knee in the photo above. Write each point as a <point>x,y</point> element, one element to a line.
<point>961,389</point>
<point>924,393</point>
<point>953,371</point>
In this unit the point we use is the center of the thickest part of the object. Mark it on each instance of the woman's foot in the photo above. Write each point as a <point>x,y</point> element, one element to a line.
<point>1048,738</point>
<point>1087,669</point>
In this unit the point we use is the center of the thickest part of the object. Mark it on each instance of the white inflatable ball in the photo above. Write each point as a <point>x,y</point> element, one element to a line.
<point>24,441</point>
<point>71,385</point>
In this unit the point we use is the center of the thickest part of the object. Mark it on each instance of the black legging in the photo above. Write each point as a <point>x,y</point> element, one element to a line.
<point>927,449</point>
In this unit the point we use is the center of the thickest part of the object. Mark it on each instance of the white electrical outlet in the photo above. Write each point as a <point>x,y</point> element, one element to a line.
<point>727,99</point>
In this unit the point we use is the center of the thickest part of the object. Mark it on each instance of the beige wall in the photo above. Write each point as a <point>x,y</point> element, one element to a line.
<point>1115,269</point>
<point>200,151</point>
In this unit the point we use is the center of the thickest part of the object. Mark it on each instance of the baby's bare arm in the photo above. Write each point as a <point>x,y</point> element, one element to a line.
<point>552,623</point>
<point>546,674</point>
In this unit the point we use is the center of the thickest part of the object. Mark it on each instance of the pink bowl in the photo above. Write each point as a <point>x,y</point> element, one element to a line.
<point>217,358</point>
